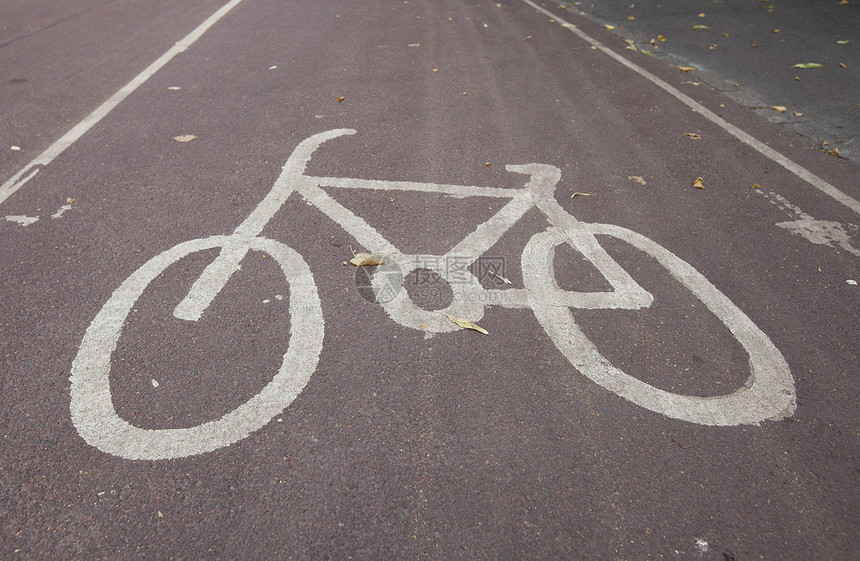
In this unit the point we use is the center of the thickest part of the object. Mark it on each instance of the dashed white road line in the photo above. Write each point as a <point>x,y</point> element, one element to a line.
<point>30,170</point>
<point>744,137</point>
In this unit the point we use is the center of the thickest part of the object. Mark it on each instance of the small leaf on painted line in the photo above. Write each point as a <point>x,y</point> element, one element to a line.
<point>808,65</point>
<point>637,179</point>
<point>780,108</point>
<point>466,324</point>
<point>184,138</point>
<point>609,27</point>
<point>699,183</point>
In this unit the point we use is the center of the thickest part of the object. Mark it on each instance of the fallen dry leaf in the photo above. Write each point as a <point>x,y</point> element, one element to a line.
<point>466,324</point>
<point>796,114</point>
<point>842,65</point>
<point>693,135</point>
<point>583,194</point>
<point>568,25</point>
<point>780,108</point>
<point>70,200</point>
<point>808,65</point>
<point>661,38</point>
<point>686,68</point>
<point>701,27</point>
<point>755,186</point>
<point>834,152</point>
<point>184,138</point>
<point>365,259</point>
<point>340,99</point>
<point>637,179</point>
<point>609,27</point>
<point>699,183</point>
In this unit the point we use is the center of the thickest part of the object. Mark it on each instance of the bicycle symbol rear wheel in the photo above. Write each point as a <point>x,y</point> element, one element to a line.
<point>92,410</point>
<point>768,392</point>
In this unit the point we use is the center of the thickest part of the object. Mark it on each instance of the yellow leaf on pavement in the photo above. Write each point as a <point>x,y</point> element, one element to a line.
<point>466,324</point>
<point>365,259</point>
<point>699,183</point>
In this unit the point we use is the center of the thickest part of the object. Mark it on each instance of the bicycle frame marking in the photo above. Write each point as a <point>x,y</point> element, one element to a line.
<point>768,393</point>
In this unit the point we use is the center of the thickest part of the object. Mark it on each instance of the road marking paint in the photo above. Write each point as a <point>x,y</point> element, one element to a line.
<point>92,410</point>
<point>61,211</point>
<point>58,147</point>
<point>697,107</point>
<point>21,219</point>
<point>820,232</point>
<point>767,394</point>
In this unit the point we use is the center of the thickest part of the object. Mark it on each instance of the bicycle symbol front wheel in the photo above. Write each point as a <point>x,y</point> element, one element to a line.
<point>92,410</point>
<point>768,392</point>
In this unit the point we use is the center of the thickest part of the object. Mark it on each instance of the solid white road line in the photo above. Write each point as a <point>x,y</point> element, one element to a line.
<point>744,137</point>
<point>30,170</point>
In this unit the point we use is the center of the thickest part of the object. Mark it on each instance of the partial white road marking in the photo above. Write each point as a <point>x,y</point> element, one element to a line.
<point>744,137</point>
<point>27,172</point>
<point>60,211</point>
<point>21,219</point>
<point>820,232</point>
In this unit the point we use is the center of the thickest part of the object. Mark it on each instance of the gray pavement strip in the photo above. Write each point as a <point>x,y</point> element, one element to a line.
<point>748,50</point>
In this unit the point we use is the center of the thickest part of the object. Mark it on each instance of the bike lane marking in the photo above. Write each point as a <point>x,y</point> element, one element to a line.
<point>30,170</point>
<point>767,394</point>
<point>697,107</point>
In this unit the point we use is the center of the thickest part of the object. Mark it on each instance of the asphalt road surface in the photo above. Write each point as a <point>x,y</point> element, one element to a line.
<point>758,53</point>
<point>191,369</point>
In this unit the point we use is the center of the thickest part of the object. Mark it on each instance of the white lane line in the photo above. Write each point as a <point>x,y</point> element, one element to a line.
<point>27,172</point>
<point>744,137</point>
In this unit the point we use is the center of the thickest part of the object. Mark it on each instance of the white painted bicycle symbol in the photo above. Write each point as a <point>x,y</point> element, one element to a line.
<point>768,392</point>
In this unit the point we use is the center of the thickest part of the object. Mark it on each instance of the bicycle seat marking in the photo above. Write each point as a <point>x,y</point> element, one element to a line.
<point>767,394</point>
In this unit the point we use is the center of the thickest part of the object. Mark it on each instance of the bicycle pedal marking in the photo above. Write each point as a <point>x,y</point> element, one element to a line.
<point>768,394</point>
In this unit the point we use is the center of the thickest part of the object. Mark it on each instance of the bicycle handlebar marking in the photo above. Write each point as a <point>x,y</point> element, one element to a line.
<point>768,393</point>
